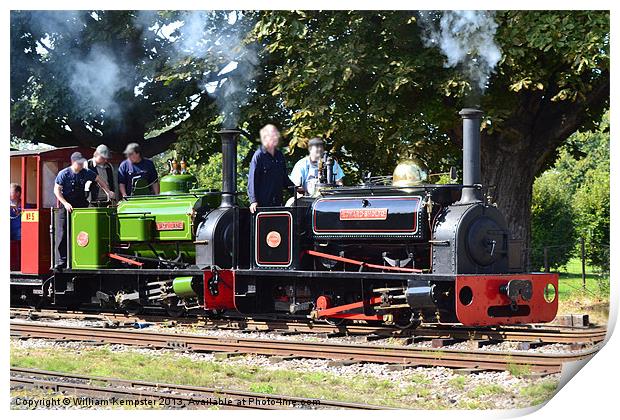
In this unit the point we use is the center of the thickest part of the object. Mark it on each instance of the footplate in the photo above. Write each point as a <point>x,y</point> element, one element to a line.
<point>506,299</point>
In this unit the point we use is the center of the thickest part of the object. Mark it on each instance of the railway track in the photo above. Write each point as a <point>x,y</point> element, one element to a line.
<point>540,363</point>
<point>544,334</point>
<point>111,392</point>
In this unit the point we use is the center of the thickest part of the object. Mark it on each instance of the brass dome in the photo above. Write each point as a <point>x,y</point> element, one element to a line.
<point>408,173</point>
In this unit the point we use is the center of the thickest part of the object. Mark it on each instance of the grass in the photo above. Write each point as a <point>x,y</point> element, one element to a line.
<point>518,370</point>
<point>458,382</point>
<point>571,282</point>
<point>183,370</point>
<point>539,392</point>
<point>415,392</point>
<point>574,298</point>
<point>262,388</point>
<point>485,390</point>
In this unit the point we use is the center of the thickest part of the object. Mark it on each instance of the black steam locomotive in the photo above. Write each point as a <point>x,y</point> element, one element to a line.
<point>394,253</point>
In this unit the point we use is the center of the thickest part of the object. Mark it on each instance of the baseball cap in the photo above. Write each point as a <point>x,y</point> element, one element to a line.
<point>132,147</point>
<point>103,151</point>
<point>77,157</point>
<point>316,141</point>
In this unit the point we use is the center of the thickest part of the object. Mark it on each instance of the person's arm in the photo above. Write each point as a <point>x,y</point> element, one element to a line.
<point>296,175</point>
<point>253,176</point>
<point>297,178</point>
<point>61,198</point>
<point>122,179</point>
<point>153,178</point>
<point>105,187</point>
<point>114,181</point>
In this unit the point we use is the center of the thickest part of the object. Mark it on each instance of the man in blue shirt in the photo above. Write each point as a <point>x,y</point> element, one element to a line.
<point>71,193</point>
<point>268,174</point>
<point>136,174</point>
<point>306,171</point>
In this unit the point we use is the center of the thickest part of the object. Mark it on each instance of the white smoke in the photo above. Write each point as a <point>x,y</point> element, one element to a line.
<point>198,39</point>
<point>215,37</point>
<point>467,39</point>
<point>96,80</point>
<point>233,92</point>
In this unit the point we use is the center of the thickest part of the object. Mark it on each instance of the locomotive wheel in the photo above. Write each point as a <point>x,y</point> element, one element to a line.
<point>173,309</point>
<point>215,313</point>
<point>406,320</point>
<point>132,308</point>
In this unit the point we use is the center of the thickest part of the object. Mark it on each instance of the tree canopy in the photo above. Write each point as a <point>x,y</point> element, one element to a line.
<point>572,199</point>
<point>90,77</point>
<point>369,82</point>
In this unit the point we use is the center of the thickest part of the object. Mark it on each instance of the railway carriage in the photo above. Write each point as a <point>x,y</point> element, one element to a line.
<point>398,253</point>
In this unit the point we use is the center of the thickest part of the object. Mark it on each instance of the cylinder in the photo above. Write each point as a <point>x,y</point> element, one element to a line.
<point>229,166</point>
<point>471,155</point>
<point>183,287</point>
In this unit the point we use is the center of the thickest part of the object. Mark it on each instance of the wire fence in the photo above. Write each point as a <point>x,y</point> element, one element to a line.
<point>583,266</point>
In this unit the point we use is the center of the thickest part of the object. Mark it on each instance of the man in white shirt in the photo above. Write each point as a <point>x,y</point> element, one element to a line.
<point>306,171</point>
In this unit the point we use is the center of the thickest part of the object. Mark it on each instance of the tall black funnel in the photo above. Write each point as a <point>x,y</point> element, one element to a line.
<point>471,155</point>
<point>229,166</point>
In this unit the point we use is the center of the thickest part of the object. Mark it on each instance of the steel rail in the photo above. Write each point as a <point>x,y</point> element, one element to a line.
<point>547,334</point>
<point>412,356</point>
<point>175,395</point>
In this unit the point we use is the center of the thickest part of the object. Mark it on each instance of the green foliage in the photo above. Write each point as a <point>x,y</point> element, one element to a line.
<point>209,175</point>
<point>158,93</point>
<point>592,206</point>
<point>553,221</point>
<point>592,193</point>
<point>366,81</point>
<point>486,390</point>
<point>262,388</point>
<point>363,80</point>
<point>540,392</point>
<point>518,370</point>
<point>572,200</point>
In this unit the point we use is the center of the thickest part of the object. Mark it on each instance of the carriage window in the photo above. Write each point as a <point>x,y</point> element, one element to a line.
<point>31,182</point>
<point>50,169</point>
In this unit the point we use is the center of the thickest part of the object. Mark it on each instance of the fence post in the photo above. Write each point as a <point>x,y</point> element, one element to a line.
<point>546,259</point>
<point>583,262</point>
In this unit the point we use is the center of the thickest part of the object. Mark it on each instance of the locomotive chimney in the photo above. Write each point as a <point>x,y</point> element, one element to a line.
<point>229,166</point>
<point>471,155</point>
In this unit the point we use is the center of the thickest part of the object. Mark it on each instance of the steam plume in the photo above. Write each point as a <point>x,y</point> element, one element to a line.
<point>223,43</point>
<point>96,80</point>
<point>467,40</point>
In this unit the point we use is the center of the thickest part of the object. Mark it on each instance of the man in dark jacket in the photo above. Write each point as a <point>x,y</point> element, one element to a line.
<point>100,164</point>
<point>268,174</point>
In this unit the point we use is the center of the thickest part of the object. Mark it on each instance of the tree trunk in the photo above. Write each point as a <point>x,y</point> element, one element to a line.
<point>509,178</point>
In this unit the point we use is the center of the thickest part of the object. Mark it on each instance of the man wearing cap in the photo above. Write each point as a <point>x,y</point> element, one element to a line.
<point>70,191</point>
<point>100,165</point>
<point>306,171</point>
<point>137,175</point>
